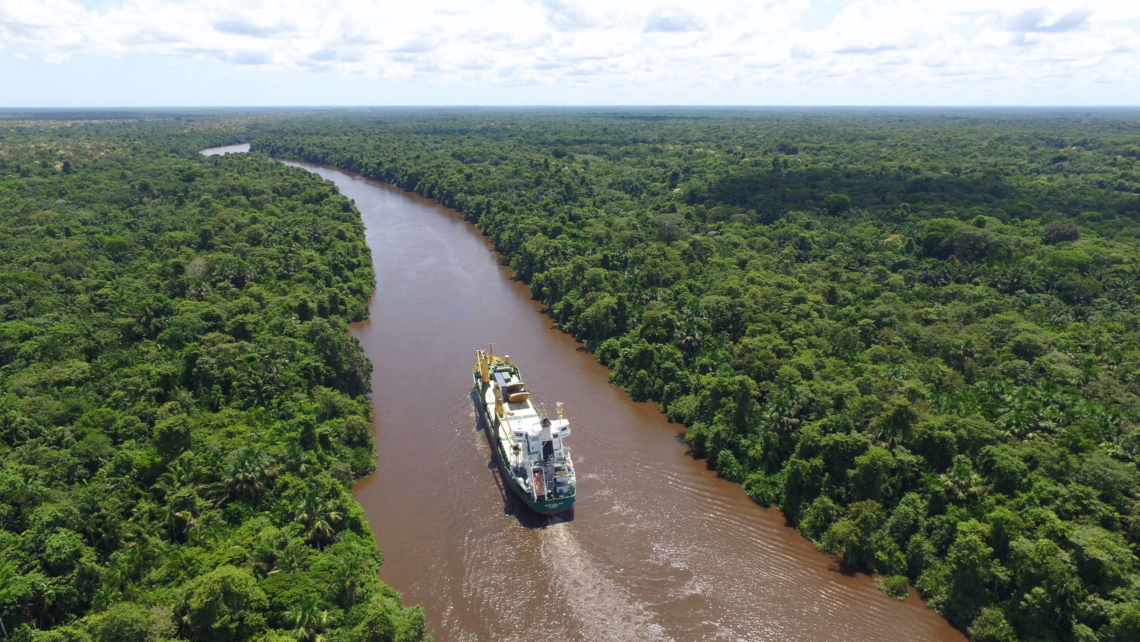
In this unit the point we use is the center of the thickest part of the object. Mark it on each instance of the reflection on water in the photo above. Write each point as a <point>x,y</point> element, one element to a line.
<point>658,548</point>
<point>228,149</point>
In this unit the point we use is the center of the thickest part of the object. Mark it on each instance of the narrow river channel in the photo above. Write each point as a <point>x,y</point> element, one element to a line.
<point>657,547</point>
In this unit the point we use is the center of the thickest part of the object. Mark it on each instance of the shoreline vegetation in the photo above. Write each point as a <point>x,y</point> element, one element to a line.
<point>182,413</point>
<point>913,331</point>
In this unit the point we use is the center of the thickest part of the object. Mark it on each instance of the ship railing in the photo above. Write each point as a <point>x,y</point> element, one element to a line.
<point>550,482</point>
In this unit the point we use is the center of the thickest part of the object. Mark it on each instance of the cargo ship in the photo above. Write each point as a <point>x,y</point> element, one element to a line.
<point>532,452</point>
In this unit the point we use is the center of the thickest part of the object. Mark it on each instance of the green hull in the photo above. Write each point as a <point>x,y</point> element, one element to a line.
<point>491,425</point>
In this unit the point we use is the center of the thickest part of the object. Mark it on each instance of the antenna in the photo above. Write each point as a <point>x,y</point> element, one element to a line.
<point>559,406</point>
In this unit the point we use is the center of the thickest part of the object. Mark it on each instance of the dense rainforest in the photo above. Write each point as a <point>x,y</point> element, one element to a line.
<point>182,414</point>
<point>916,332</point>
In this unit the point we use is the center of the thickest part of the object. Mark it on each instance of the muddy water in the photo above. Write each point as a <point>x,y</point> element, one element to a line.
<point>657,548</point>
<point>228,149</point>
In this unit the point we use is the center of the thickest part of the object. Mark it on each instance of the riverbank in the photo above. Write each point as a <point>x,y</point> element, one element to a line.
<point>658,547</point>
<point>180,426</point>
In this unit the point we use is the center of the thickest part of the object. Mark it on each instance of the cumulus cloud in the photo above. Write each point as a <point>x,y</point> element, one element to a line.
<point>672,20</point>
<point>335,54</point>
<point>686,44</point>
<point>867,49</point>
<point>568,15</point>
<point>243,26</point>
<point>1041,20</point>
<point>249,57</point>
<point>419,44</point>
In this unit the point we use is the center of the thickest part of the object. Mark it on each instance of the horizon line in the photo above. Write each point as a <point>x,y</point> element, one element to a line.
<point>567,106</point>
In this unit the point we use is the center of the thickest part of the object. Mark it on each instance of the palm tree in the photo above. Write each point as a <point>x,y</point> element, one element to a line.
<point>107,593</point>
<point>290,559</point>
<point>249,472</point>
<point>139,559</point>
<point>25,492</point>
<point>308,620</point>
<point>130,590</point>
<point>961,351</point>
<point>297,459</point>
<point>781,413</point>
<point>180,474</point>
<point>106,528</point>
<point>355,565</point>
<point>166,515</point>
<point>270,369</point>
<point>961,483</point>
<point>318,516</point>
<point>176,561</point>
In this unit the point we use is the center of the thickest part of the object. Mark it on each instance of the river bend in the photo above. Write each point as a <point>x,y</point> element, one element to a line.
<point>656,548</point>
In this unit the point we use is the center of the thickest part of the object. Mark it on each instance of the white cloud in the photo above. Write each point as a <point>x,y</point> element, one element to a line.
<point>992,38</point>
<point>672,19</point>
<point>597,44</point>
<point>244,26</point>
<point>1042,20</point>
<point>249,57</point>
<point>567,15</point>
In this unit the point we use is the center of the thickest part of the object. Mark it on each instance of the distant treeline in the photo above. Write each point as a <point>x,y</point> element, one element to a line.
<point>915,332</point>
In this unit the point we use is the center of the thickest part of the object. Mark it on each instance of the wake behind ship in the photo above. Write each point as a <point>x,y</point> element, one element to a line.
<point>532,452</point>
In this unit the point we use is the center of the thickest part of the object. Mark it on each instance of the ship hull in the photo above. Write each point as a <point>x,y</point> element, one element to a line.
<point>545,507</point>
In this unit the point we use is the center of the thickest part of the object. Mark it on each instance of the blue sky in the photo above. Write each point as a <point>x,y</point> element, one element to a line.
<point>70,53</point>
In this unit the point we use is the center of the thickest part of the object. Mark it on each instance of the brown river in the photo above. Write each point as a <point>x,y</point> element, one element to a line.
<point>656,548</point>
